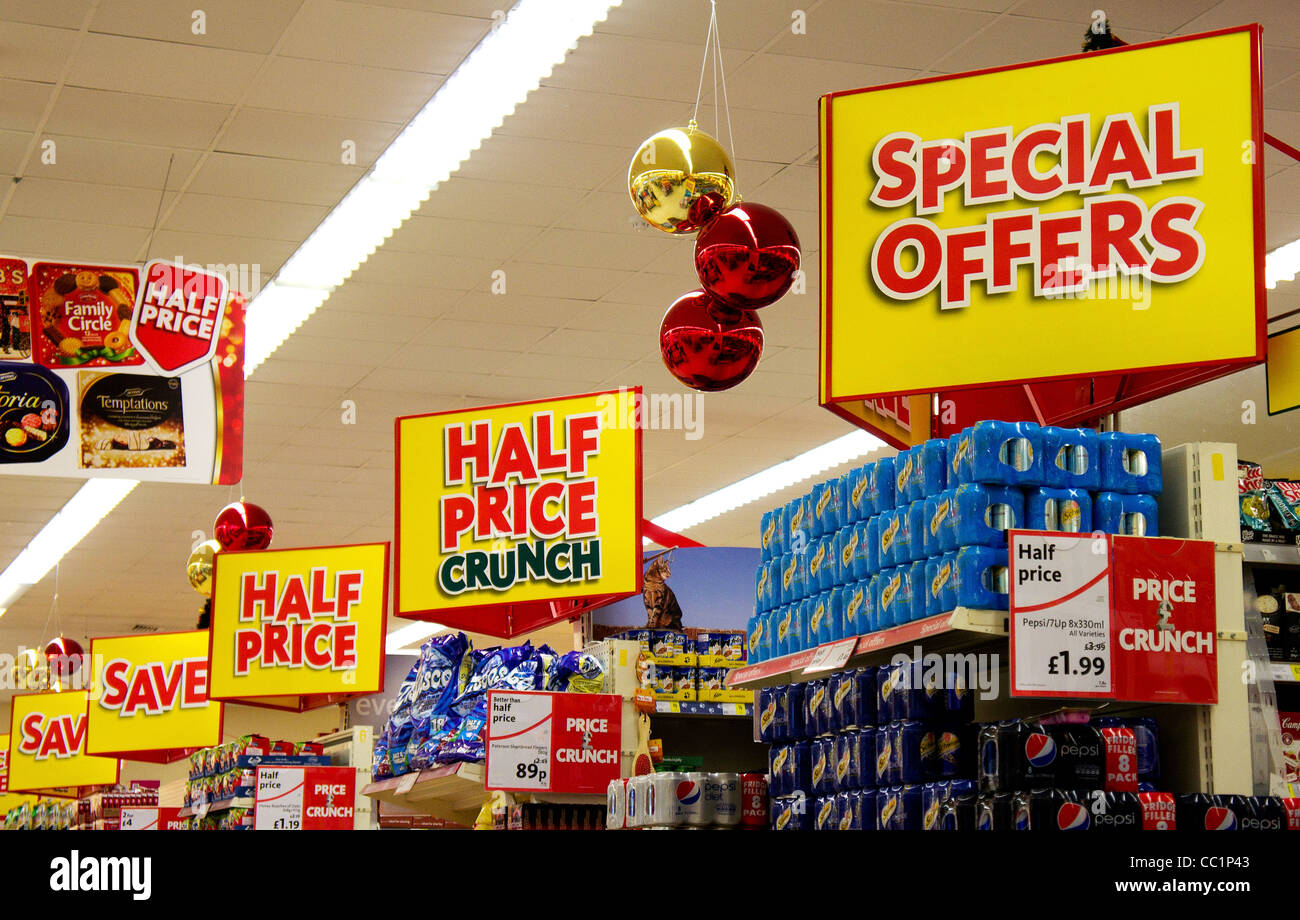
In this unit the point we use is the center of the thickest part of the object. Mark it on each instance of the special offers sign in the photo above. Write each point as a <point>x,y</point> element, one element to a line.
<point>299,628</point>
<point>149,697</point>
<point>47,745</point>
<point>509,515</point>
<point>969,222</point>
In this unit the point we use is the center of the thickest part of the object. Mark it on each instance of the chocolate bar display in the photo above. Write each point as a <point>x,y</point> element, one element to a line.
<point>131,421</point>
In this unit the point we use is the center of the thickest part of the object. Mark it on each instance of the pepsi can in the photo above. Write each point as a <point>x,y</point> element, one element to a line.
<point>1058,810</point>
<point>689,797</point>
<point>1258,813</point>
<point>1159,811</point>
<point>636,795</point>
<point>722,795</point>
<point>1080,756</point>
<point>661,805</point>
<point>1115,811</point>
<point>699,811</point>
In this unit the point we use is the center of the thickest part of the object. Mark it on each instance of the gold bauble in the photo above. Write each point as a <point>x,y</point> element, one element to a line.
<point>199,567</point>
<point>680,179</point>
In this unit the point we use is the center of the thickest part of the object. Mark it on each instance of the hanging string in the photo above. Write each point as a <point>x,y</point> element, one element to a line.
<point>713,53</point>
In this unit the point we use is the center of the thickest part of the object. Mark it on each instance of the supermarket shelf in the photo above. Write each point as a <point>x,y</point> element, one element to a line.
<point>964,628</point>
<point>218,805</point>
<point>668,708</point>
<point>1284,673</point>
<point>1270,554</point>
<point>454,793</point>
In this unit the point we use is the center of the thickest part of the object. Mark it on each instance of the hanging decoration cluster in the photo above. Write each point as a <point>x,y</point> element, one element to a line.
<point>683,181</point>
<point>240,526</point>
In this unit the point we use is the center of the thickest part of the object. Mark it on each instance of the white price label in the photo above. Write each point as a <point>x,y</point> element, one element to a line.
<point>1060,615</point>
<point>279,799</point>
<point>519,741</point>
<point>832,655</point>
<point>139,819</point>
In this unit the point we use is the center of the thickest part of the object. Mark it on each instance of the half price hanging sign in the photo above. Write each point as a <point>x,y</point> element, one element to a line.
<point>518,506</point>
<point>299,628</point>
<point>178,320</point>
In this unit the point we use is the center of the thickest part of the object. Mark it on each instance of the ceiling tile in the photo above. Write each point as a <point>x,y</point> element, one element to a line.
<point>64,14</point>
<point>139,119</point>
<point>271,179</point>
<point>316,139</point>
<point>79,201</point>
<point>82,159</point>
<point>375,36</point>
<point>1125,15</point>
<point>341,90</point>
<point>242,25</point>
<point>116,62</point>
<point>34,52</point>
<point>22,103</point>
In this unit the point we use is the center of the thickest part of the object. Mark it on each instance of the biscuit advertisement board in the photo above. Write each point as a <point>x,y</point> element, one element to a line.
<point>968,219</point>
<point>107,368</point>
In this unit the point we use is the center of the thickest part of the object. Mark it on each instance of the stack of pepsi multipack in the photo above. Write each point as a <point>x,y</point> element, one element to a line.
<point>920,534</point>
<point>867,749</point>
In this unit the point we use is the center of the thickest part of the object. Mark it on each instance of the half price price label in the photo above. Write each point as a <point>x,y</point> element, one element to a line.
<point>1060,615</point>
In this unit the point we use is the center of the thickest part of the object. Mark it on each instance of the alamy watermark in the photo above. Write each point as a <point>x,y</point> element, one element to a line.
<point>653,411</point>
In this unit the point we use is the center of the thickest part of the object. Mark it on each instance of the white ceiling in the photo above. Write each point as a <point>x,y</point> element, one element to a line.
<point>255,113</point>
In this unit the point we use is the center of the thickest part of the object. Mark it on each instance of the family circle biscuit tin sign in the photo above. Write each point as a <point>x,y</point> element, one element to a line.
<point>299,628</point>
<point>120,370</point>
<point>968,220</point>
<point>47,745</point>
<point>148,697</point>
<point>511,516</point>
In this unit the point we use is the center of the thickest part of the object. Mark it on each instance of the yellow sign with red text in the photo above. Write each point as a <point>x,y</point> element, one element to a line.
<point>525,503</point>
<point>1096,214</point>
<point>149,696</point>
<point>299,622</point>
<point>47,745</point>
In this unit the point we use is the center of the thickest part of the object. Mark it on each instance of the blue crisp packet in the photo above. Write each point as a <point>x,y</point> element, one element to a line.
<point>496,670</point>
<point>467,742</point>
<point>577,672</point>
<point>380,757</point>
<point>442,676</point>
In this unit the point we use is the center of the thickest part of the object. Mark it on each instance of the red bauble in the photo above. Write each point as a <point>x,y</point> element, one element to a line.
<point>64,656</point>
<point>243,526</point>
<point>709,346</point>
<point>747,256</point>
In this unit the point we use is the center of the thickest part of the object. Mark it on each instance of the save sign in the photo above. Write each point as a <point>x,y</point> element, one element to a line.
<point>505,512</point>
<point>47,745</point>
<point>149,697</point>
<point>299,628</point>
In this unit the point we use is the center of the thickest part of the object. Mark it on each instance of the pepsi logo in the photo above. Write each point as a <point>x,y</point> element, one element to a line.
<point>1218,818</point>
<point>688,792</point>
<point>1040,749</point>
<point>1072,816</point>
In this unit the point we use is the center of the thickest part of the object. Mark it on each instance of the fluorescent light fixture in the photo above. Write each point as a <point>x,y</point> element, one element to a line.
<point>486,88</point>
<point>1282,264</point>
<point>60,534</point>
<point>398,641</point>
<point>773,479</point>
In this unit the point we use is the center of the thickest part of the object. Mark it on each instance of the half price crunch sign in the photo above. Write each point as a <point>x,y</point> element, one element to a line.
<point>530,509</point>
